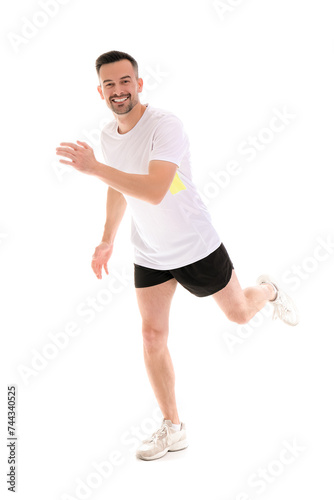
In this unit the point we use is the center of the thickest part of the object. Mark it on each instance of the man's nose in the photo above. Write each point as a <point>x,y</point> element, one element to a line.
<point>117,92</point>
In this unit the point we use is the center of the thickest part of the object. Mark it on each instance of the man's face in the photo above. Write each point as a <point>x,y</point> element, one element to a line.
<point>119,86</point>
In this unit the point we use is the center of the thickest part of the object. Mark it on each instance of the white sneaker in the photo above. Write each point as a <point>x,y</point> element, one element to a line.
<point>163,440</point>
<point>284,307</point>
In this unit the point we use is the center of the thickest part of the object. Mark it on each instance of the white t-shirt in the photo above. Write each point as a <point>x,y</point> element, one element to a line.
<point>178,231</point>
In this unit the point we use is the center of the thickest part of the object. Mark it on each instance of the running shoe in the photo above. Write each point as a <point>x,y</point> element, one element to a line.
<point>163,440</point>
<point>284,307</point>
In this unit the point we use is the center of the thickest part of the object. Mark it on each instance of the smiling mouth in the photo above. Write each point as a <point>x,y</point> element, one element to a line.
<point>120,100</point>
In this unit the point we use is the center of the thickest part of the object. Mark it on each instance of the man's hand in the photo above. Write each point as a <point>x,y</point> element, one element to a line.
<point>82,156</point>
<point>100,258</point>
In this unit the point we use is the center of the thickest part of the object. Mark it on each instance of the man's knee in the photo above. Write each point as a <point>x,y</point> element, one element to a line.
<point>240,315</point>
<point>154,338</point>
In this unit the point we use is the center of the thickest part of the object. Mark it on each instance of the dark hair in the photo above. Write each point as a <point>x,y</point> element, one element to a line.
<point>114,56</point>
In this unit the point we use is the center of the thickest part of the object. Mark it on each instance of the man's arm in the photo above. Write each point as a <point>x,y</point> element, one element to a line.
<point>151,187</point>
<point>116,205</point>
<point>115,209</point>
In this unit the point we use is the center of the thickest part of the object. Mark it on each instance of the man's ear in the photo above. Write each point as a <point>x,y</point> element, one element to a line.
<point>140,84</point>
<point>100,91</point>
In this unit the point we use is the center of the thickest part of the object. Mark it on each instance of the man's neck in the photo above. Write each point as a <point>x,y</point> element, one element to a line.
<point>128,121</point>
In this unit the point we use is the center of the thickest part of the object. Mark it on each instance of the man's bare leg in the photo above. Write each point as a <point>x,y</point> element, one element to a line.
<point>240,305</point>
<point>154,304</point>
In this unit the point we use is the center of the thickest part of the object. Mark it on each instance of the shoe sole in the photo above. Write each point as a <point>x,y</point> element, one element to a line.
<point>180,445</point>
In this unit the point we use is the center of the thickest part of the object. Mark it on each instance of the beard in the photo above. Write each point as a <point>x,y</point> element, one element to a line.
<point>124,108</point>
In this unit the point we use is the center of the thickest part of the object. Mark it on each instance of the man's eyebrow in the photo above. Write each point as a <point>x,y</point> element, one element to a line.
<point>127,76</point>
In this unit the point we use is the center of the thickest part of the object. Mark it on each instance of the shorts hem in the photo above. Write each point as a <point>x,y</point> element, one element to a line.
<point>209,294</point>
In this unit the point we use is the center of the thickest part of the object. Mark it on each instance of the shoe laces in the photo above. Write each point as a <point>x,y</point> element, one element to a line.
<point>163,431</point>
<point>281,307</point>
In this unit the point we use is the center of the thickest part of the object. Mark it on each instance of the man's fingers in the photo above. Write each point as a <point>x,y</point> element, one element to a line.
<point>70,144</point>
<point>67,162</point>
<point>85,145</point>
<point>97,268</point>
<point>65,152</point>
<point>95,265</point>
<point>106,268</point>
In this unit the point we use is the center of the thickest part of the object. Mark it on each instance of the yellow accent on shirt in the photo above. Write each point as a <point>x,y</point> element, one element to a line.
<point>177,185</point>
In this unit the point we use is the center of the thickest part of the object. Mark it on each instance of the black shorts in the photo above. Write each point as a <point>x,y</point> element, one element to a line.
<point>202,278</point>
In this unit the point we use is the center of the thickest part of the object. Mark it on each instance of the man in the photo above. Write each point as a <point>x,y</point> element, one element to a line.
<point>148,168</point>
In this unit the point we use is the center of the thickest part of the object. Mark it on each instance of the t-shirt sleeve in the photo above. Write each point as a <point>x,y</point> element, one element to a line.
<point>170,141</point>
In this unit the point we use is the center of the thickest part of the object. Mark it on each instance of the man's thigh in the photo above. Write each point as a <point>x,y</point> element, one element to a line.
<point>154,304</point>
<point>231,298</point>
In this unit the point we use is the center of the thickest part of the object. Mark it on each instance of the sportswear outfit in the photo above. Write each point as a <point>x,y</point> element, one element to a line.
<point>177,232</point>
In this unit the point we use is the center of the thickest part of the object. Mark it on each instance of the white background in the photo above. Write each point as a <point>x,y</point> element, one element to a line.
<point>223,74</point>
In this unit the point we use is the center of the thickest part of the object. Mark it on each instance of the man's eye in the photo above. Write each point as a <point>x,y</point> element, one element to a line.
<point>126,81</point>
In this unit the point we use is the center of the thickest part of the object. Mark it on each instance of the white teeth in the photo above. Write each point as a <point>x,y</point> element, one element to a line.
<point>120,100</point>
